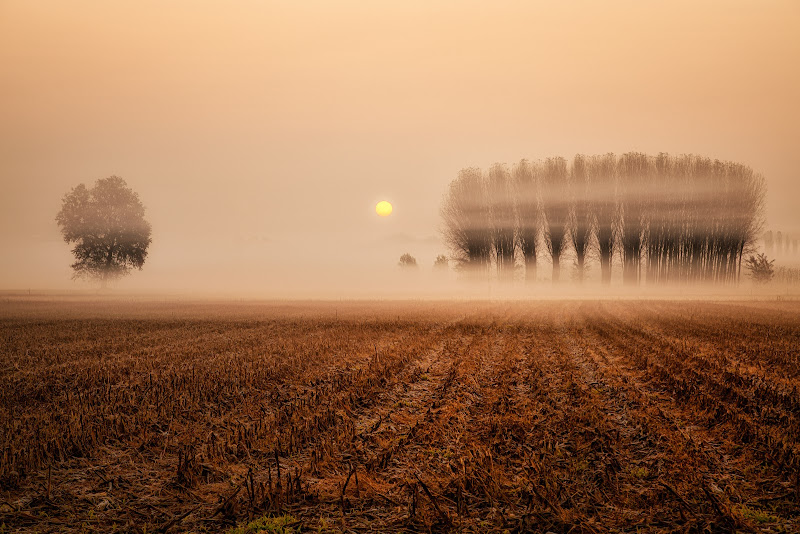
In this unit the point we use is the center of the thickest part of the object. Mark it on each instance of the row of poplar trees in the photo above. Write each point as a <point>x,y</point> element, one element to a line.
<point>669,218</point>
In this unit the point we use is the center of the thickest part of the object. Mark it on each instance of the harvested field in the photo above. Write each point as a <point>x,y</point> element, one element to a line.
<point>400,417</point>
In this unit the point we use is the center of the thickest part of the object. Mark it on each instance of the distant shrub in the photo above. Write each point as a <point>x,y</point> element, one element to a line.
<point>761,269</point>
<point>407,261</point>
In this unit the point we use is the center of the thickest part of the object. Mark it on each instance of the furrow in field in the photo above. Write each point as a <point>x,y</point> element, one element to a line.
<point>716,450</point>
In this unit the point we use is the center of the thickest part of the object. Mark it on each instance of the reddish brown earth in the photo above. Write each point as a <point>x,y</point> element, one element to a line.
<point>400,417</point>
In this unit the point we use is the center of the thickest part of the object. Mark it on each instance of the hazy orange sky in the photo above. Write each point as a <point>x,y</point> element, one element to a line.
<point>259,135</point>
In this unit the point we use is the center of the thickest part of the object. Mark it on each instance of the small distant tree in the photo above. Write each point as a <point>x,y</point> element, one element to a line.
<point>107,227</point>
<point>761,269</point>
<point>441,263</point>
<point>407,261</point>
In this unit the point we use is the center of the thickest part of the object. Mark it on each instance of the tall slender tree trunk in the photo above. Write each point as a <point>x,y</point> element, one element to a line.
<point>630,269</point>
<point>581,259</point>
<point>530,270</point>
<point>556,268</point>
<point>605,263</point>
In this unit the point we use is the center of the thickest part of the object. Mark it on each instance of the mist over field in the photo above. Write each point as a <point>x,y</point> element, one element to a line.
<point>259,137</point>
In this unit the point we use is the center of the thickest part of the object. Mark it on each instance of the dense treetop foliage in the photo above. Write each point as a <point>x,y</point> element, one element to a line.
<point>668,218</point>
<point>106,225</point>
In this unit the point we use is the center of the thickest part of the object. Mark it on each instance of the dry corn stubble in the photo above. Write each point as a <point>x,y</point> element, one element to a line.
<point>471,417</point>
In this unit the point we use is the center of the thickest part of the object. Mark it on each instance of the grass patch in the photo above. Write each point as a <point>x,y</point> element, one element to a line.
<point>640,472</point>
<point>759,516</point>
<point>284,524</point>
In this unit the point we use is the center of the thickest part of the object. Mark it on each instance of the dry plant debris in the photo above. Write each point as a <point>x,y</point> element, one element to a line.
<point>597,416</point>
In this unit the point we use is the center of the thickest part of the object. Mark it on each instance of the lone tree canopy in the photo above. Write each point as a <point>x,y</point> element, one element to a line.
<point>107,227</point>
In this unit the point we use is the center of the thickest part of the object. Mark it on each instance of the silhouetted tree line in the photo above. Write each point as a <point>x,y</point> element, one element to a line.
<point>669,218</point>
<point>780,244</point>
<point>787,275</point>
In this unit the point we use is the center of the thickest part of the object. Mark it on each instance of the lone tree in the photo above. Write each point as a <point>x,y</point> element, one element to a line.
<point>761,269</point>
<point>107,227</point>
<point>407,261</point>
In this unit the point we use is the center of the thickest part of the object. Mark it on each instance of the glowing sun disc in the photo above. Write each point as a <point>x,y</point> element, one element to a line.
<point>383,208</point>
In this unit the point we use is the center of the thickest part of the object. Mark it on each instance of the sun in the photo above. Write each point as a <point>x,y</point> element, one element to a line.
<point>383,208</point>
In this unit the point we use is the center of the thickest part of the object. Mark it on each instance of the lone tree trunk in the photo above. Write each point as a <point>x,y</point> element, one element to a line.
<point>108,266</point>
